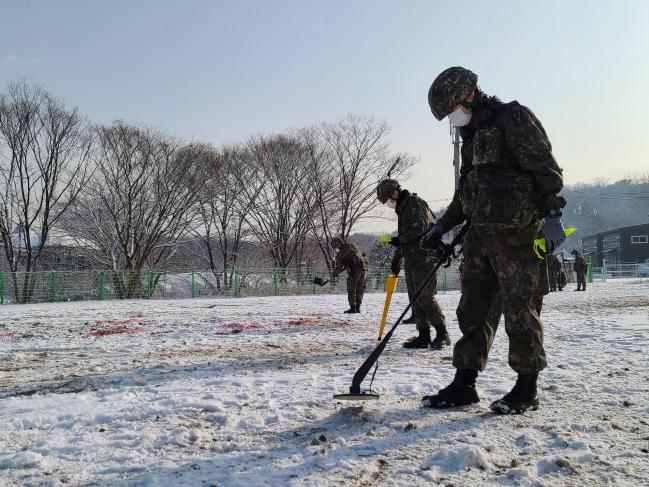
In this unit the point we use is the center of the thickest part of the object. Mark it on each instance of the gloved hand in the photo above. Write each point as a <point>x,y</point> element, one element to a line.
<point>394,241</point>
<point>395,266</point>
<point>432,239</point>
<point>553,230</point>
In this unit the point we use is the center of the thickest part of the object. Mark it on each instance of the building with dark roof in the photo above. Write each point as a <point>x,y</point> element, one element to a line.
<point>626,245</point>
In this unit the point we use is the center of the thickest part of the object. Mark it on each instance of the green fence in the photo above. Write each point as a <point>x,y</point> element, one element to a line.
<point>57,286</point>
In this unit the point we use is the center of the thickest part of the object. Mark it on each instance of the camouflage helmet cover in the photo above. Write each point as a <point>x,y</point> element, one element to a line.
<point>451,87</point>
<point>385,189</point>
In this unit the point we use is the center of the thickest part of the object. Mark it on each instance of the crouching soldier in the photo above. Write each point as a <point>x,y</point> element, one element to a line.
<point>350,257</point>
<point>415,218</point>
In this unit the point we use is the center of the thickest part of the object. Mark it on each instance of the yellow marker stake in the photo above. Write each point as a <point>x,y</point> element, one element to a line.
<point>390,287</point>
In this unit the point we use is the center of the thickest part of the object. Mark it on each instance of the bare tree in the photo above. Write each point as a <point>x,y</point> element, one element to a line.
<point>223,208</point>
<point>138,206</point>
<point>353,155</point>
<point>44,150</point>
<point>280,209</point>
<point>321,187</point>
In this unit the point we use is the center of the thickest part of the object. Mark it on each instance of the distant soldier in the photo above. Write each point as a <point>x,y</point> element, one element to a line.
<point>554,267</point>
<point>580,266</point>
<point>415,218</point>
<point>563,279</point>
<point>350,257</point>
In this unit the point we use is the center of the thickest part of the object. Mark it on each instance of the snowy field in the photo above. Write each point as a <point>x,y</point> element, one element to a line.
<point>231,392</point>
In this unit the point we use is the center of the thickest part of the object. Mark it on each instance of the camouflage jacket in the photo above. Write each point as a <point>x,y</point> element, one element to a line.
<point>415,219</point>
<point>350,258</point>
<point>580,264</point>
<point>510,147</point>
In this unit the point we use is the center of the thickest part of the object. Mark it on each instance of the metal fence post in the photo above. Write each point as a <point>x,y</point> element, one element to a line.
<point>590,269</point>
<point>164,284</point>
<point>52,286</point>
<point>445,281</point>
<point>193,283</point>
<point>312,280</point>
<point>235,276</point>
<point>603,276</point>
<point>384,277</point>
<point>275,281</point>
<point>149,283</point>
<point>2,288</point>
<point>101,286</point>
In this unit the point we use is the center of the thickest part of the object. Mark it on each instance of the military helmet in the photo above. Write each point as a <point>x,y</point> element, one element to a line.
<point>385,189</point>
<point>575,252</point>
<point>453,86</point>
<point>336,242</point>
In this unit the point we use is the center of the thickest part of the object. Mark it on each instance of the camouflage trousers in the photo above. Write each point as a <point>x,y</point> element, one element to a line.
<point>355,287</point>
<point>581,280</point>
<point>553,277</point>
<point>500,279</point>
<point>426,309</point>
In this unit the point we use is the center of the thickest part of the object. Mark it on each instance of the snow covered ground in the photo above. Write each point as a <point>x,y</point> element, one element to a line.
<point>239,392</point>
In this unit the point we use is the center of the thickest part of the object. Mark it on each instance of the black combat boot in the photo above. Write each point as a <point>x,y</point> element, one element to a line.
<point>460,392</point>
<point>357,309</point>
<point>521,398</point>
<point>420,341</point>
<point>352,309</point>
<point>441,340</point>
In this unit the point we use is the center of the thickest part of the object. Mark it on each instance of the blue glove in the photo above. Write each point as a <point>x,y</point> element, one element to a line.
<point>553,230</point>
<point>432,239</point>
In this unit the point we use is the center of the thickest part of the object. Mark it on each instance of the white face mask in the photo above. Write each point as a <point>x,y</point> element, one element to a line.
<point>390,203</point>
<point>459,118</point>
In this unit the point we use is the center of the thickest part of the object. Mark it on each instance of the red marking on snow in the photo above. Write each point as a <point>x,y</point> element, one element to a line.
<point>117,327</point>
<point>8,334</point>
<point>116,331</point>
<point>130,321</point>
<point>242,326</point>
<point>302,322</point>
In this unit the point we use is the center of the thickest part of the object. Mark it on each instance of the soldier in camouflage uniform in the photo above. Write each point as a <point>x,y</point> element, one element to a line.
<point>414,219</point>
<point>563,279</point>
<point>350,257</point>
<point>580,267</point>
<point>509,184</point>
<point>554,267</point>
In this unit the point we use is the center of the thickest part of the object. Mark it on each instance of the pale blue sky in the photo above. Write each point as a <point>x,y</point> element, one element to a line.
<point>222,71</point>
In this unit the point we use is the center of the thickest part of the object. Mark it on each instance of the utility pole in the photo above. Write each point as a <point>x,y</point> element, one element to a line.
<point>455,140</point>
